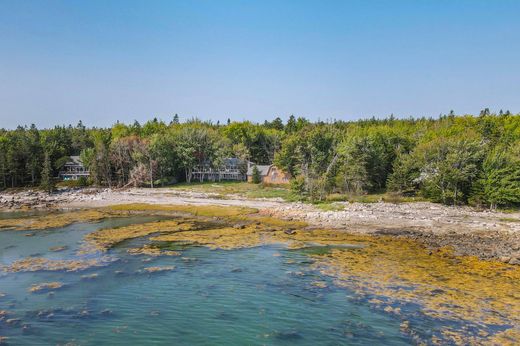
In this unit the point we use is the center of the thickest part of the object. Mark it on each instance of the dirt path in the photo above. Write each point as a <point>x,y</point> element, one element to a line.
<point>488,235</point>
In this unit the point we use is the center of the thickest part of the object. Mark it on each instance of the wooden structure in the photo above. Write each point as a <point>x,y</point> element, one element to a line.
<point>270,174</point>
<point>231,169</point>
<point>74,169</point>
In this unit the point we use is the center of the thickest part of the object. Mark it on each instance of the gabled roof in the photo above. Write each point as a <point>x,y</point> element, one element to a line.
<point>264,169</point>
<point>74,160</point>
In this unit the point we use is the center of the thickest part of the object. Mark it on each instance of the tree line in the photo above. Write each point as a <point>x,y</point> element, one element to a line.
<point>450,159</point>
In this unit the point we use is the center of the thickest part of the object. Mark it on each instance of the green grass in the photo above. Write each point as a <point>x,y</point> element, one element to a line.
<point>226,188</point>
<point>509,219</point>
<point>327,206</point>
<point>223,189</point>
<point>373,198</point>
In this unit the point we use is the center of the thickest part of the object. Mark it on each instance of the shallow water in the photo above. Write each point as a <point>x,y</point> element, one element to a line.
<point>256,296</point>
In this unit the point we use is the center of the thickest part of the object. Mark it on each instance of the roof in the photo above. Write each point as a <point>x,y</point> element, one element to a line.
<point>228,161</point>
<point>74,160</point>
<point>232,161</point>
<point>264,169</point>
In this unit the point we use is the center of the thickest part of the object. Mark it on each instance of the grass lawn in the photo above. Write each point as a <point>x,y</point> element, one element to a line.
<point>244,189</point>
<point>248,190</point>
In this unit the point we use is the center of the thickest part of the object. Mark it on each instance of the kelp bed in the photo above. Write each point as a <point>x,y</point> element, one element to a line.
<point>478,300</point>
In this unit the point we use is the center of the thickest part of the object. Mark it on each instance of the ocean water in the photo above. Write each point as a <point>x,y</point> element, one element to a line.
<point>259,296</point>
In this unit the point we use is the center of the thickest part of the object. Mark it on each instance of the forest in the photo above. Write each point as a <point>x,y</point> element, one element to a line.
<point>451,159</point>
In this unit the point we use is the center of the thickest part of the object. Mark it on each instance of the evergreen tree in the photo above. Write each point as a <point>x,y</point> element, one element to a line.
<point>499,184</point>
<point>47,182</point>
<point>291,124</point>
<point>257,177</point>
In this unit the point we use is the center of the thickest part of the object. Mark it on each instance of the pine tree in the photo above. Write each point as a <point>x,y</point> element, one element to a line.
<point>291,125</point>
<point>257,178</point>
<point>47,183</point>
<point>176,118</point>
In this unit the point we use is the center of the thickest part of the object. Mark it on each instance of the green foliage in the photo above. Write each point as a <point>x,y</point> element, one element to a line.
<point>499,182</point>
<point>452,159</point>
<point>256,177</point>
<point>47,182</point>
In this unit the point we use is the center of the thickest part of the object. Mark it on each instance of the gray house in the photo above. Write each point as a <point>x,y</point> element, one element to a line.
<point>74,169</point>
<point>231,169</point>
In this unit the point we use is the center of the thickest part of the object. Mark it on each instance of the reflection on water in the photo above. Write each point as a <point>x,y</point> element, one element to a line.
<point>256,296</point>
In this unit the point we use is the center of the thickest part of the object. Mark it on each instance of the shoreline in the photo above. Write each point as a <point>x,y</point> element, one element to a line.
<point>489,235</point>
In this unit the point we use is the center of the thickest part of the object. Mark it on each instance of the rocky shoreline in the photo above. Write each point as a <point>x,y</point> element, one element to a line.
<point>485,234</point>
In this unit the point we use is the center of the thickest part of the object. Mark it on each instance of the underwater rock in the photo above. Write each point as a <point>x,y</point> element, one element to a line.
<point>106,312</point>
<point>3,340</point>
<point>389,309</point>
<point>158,269</point>
<point>83,314</point>
<point>405,327</point>
<point>226,316</point>
<point>33,264</point>
<point>26,329</point>
<point>58,248</point>
<point>319,284</point>
<point>3,315</point>
<point>46,286</point>
<point>289,335</point>
<point>89,276</point>
<point>189,259</point>
<point>45,314</point>
<point>236,270</point>
<point>13,321</point>
<point>152,251</point>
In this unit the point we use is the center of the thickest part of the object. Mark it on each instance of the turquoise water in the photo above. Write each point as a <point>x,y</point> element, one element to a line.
<point>259,296</point>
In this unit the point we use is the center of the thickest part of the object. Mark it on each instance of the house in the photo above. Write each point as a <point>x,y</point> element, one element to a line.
<point>231,169</point>
<point>74,169</point>
<point>270,174</point>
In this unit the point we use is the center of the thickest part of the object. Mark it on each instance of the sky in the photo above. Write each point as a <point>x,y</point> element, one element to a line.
<point>104,61</point>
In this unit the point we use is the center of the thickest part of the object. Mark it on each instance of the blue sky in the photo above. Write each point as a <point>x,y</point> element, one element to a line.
<point>102,61</point>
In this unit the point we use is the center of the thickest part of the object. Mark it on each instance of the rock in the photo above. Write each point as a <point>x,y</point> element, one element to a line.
<point>515,261</point>
<point>46,286</point>
<point>505,259</point>
<point>58,248</point>
<point>13,321</point>
<point>319,284</point>
<point>405,326</point>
